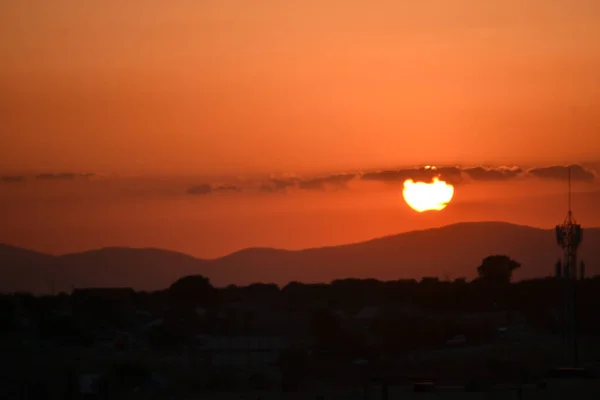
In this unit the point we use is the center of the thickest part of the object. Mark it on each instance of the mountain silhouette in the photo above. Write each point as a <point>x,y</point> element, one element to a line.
<point>451,251</point>
<point>142,269</point>
<point>23,270</point>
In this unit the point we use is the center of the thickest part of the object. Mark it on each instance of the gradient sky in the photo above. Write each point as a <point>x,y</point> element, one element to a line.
<point>78,214</point>
<point>160,97</point>
<point>235,86</point>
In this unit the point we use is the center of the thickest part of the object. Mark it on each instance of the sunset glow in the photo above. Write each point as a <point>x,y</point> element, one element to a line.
<point>206,127</point>
<point>423,196</point>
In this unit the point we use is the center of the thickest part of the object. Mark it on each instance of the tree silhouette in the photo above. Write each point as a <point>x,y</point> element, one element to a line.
<point>191,291</point>
<point>497,269</point>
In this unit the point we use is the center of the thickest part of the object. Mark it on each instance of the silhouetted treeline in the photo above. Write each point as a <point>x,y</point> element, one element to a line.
<point>348,295</point>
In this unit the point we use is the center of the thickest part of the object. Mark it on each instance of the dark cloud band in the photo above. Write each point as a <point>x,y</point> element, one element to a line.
<point>205,189</point>
<point>452,174</point>
<point>456,175</point>
<point>13,179</point>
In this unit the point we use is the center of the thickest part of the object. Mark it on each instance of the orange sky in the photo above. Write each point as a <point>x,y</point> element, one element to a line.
<point>162,97</point>
<point>60,216</point>
<point>235,86</point>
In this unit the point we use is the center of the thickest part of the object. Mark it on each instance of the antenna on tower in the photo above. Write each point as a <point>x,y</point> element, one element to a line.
<point>569,220</point>
<point>569,189</point>
<point>568,237</point>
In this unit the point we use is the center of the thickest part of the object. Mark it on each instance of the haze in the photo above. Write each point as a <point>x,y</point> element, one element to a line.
<point>67,215</point>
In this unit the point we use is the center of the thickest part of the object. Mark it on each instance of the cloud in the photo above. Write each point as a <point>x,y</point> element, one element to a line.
<point>62,176</point>
<point>279,184</point>
<point>493,174</point>
<point>457,175</point>
<point>227,188</point>
<point>13,179</point>
<point>335,181</point>
<point>200,189</point>
<point>265,187</point>
<point>560,172</point>
<point>339,181</point>
<point>205,188</point>
<point>449,174</point>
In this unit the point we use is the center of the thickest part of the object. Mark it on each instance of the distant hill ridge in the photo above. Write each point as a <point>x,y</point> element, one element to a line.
<point>453,250</point>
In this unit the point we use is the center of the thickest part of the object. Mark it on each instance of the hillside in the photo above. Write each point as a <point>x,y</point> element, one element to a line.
<point>22,270</point>
<point>142,269</point>
<point>451,251</point>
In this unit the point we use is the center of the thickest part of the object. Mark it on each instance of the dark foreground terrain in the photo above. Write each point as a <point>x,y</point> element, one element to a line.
<point>343,340</point>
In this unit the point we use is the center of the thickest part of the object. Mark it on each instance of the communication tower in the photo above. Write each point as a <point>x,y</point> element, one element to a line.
<point>568,237</point>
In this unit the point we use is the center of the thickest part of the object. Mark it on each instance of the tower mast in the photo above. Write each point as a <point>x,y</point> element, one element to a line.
<point>568,237</point>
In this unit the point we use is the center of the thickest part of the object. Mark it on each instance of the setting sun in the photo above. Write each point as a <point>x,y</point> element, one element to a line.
<point>423,196</point>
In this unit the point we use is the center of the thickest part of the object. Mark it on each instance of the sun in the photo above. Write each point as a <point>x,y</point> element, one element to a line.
<point>423,196</point>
